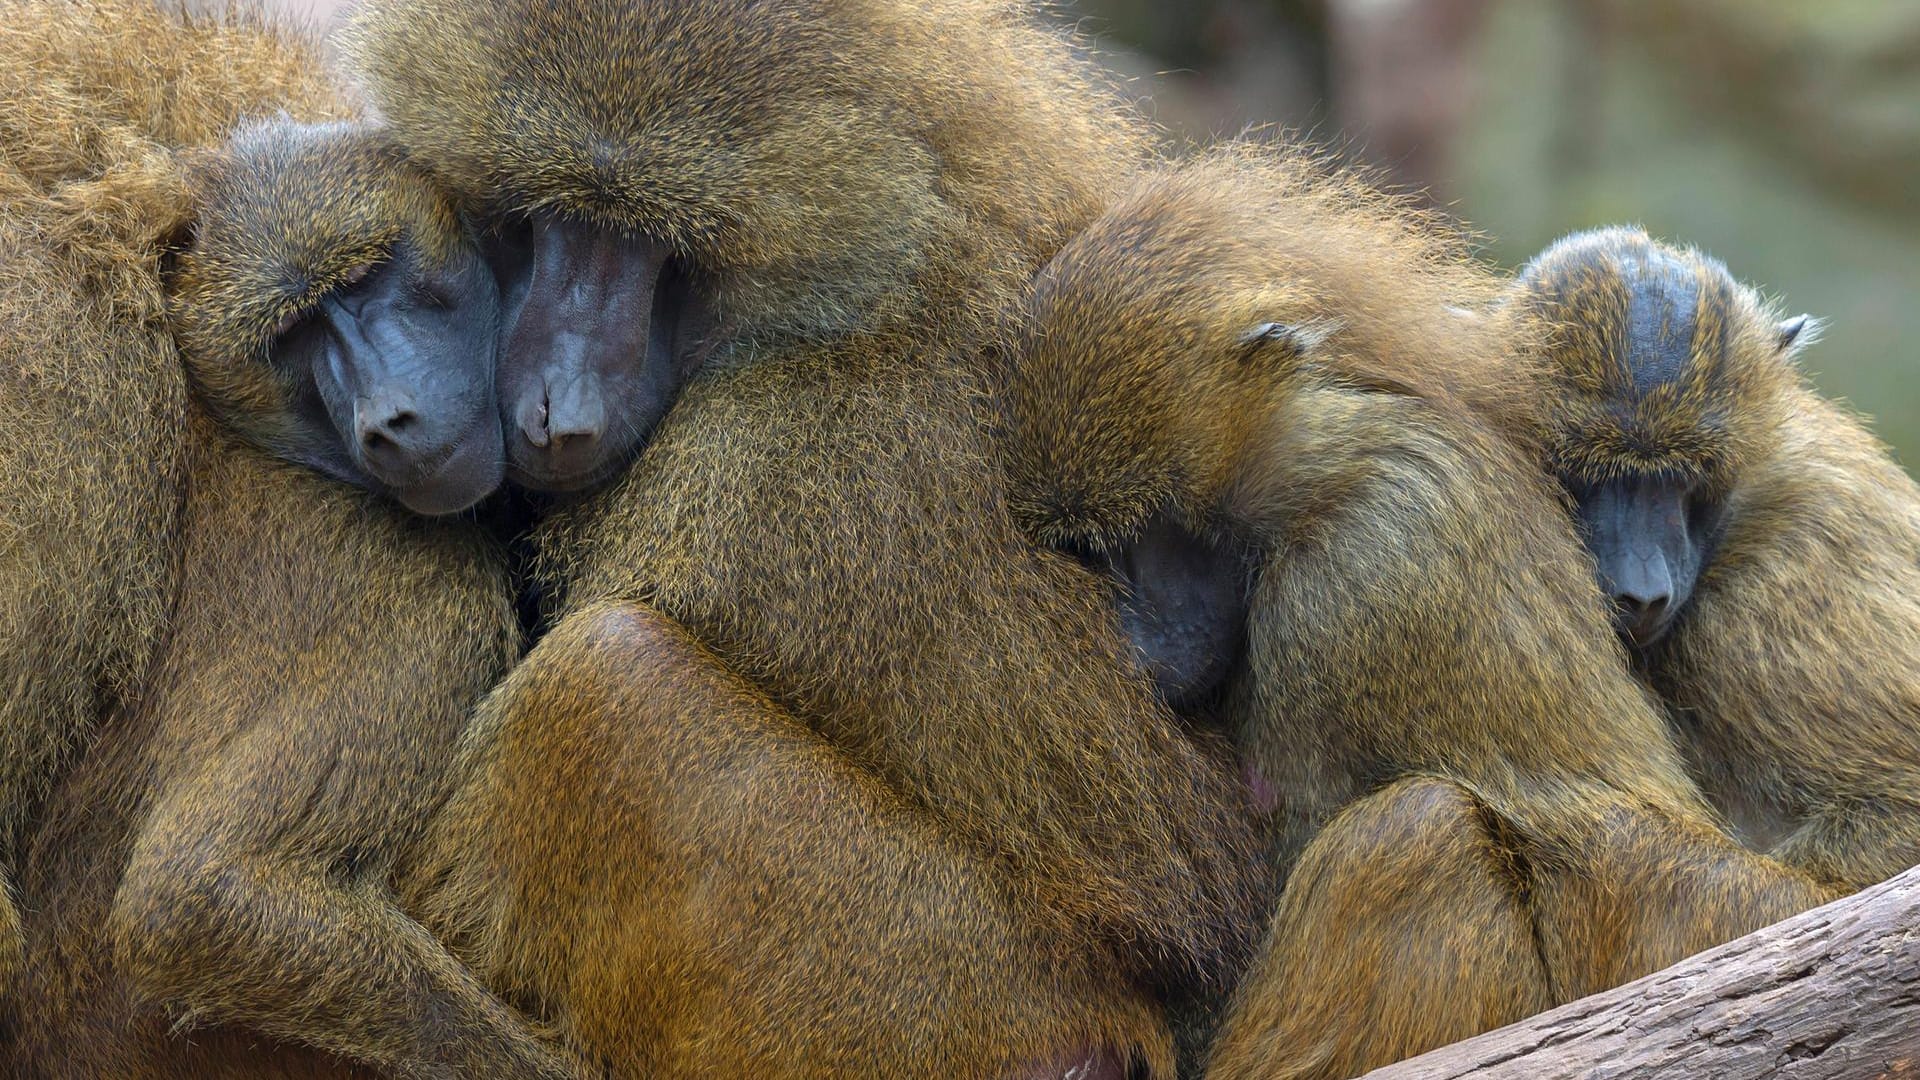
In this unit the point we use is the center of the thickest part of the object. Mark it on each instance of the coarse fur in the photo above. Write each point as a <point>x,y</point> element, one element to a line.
<point>1274,356</point>
<point>209,886</point>
<point>773,907</point>
<point>91,112</point>
<point>860,186</point>
<point>1790,675</point>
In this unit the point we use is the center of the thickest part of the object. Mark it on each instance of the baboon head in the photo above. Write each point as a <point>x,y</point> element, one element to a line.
<point>331,308</point>
<point>649,170</point>
<point>1667,377</point>
<point>1160,359</point>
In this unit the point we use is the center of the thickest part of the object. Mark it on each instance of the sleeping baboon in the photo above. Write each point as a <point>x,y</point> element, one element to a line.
<point>91,471</point>
<point>1246,393</point>
<point>221,855</point>
<point>804,218</point>
<point>1762,551</point>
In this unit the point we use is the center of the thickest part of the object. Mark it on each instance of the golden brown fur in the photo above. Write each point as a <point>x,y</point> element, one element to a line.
<point>744,898</point>
<point>1791,677</point>
<point>304,654</point>
<point>1420,610</point>
<point>822,513</point>
<point>90,114</point>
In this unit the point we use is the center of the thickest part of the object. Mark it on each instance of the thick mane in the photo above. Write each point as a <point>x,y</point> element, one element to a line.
<point>1134,368</point>
<point>1251,233</point>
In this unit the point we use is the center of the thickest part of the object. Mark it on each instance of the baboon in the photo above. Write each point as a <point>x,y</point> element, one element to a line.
<point>220,858</point>
<point>838,197</point>
<point>1761,550</point>
<point>89,479</point>
<point>1245,393</point>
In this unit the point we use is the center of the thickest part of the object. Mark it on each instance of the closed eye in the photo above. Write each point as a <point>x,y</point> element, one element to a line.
<point>289,323</point>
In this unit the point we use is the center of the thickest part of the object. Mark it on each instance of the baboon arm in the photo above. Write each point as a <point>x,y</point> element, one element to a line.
<point>1828,993</point>
<point>704,861</point>
<point>911,624</point>
<point>1429,595</point>
<point>1636,890</point>
<point>304,716</point>
<point>1455,924</point>
<point>220,922</point>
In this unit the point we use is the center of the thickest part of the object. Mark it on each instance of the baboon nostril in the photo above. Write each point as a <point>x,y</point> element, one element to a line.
<point>389,434</point>
<point>573,422</point>
<point>1641,615</point>
<point>574,431</point>
<point>1642,604</point>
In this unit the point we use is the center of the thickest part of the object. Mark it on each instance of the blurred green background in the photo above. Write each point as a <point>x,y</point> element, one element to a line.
<point>1782,136</point>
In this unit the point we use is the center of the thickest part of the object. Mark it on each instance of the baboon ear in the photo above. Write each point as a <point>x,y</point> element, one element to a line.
<point>1286,339</point>
<point>1797,333</point>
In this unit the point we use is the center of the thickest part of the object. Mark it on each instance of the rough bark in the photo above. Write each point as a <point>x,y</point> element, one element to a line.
<point>1832,994</point>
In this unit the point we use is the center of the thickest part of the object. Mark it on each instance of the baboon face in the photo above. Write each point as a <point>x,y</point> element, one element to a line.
<point>1666,373</point>
<point>332,308</point>
<point>603,329</point>
<point>1141,369</point>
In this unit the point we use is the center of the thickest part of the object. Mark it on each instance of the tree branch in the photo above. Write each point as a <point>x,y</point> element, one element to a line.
<point>1833,994</point>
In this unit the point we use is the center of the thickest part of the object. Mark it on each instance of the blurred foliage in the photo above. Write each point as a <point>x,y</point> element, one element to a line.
<point>1779,135</point>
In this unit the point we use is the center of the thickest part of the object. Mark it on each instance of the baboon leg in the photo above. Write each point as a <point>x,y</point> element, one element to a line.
<point>688,881</point>
<point>221,928</point>
<point>1635,890</point>
<point>1403,927</point>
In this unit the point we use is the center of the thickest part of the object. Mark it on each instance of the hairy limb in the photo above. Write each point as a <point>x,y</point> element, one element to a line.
<point>220,932</point>
<point>1421,916</point>
<point>304,714</point>
<point>884,597</point>
<point>1637,890</point>
<point>1401,929</point>
<point>704,886</point>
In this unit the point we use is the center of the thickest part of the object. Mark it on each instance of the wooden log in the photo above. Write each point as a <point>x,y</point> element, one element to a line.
<point>1832,994</point>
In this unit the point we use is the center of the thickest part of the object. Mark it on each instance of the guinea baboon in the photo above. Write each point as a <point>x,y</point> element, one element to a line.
<point>1762,551</point>
<point>90,477</point>
<point>221,855</point>
<point>1246,392</point>
<point>839,195</point>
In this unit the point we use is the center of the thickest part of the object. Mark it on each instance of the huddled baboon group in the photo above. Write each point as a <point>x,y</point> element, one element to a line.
<point>803,538</point>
